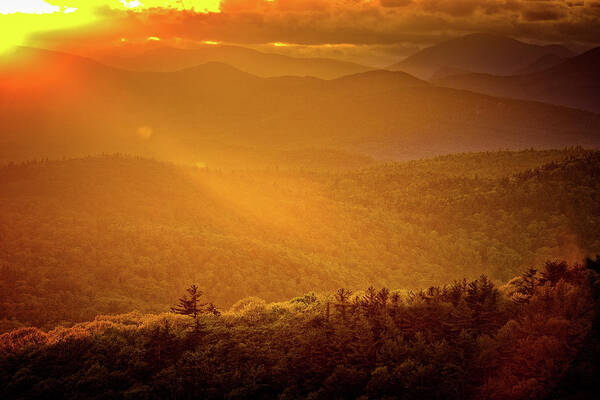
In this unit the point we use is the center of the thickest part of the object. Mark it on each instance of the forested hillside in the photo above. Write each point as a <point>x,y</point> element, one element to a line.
<point>113,234</point>
<point>535,338</point>
<point>299,199</point>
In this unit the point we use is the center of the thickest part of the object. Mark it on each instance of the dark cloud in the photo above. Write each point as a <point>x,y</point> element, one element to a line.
<point>543,15</point>
<point>410,23</point>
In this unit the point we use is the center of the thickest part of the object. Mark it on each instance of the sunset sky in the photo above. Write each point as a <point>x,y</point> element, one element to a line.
<point>323,27</point>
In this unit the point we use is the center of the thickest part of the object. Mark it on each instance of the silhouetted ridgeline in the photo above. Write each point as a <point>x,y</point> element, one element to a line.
<point>217,114</point>
<point>535,338</point>
<point>113,234</point>
<point>479,53</point>
<point>160,58</point>
<point>573,83</point>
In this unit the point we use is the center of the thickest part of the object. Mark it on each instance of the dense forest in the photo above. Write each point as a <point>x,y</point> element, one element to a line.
<point>536,337</point>
<point>111,234</point>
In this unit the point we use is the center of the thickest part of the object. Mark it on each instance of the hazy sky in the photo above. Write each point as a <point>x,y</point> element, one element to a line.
<point>359,27</point>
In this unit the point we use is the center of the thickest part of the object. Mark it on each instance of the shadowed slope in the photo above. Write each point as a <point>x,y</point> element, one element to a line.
<point>543,63</point>
<point>482,53</point>
<point>218,115</point>
<point>573,83</point>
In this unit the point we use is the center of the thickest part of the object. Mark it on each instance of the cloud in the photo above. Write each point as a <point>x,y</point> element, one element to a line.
<point>395,3</point>
<point>379,23</point>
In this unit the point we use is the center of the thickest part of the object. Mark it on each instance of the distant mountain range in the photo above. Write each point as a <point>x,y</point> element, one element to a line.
<point>478,53</point>
<point>54,105</point>
<point>543,63</point>
<point>574,82</point>
<point>160,58</point>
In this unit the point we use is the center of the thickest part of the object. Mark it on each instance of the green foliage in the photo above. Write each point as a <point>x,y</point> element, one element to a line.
<point>465,340</point>
<point>111,234</point>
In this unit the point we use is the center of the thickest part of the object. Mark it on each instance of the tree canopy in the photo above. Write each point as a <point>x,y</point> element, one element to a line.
<point>112,234</point>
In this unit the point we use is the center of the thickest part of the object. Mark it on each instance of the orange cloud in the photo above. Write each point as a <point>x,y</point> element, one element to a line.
<point>390,23</point>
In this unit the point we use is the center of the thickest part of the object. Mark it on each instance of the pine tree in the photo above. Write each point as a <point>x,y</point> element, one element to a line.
<point>342,296</point>
<point>192,306</point>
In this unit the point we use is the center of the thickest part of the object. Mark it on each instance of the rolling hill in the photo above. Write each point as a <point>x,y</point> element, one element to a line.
<point>217,115</point>
<point>573,83</point>
<point>113,234</point>
<point>478,53</point>
<point>169,59</point>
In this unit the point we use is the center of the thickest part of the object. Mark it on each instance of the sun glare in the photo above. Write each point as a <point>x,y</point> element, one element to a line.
<point>132,4</point>
<point>197,5</point>
<point>21,19</point>
<point>28,7</point>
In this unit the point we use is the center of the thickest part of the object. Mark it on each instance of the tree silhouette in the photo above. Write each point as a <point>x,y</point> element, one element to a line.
<point>342,296</point>
<point>192,306</point>
<point>554,271</point>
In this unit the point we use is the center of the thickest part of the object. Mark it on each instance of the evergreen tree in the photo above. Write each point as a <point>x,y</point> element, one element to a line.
<point>192,306</point>
<point>342,296</point>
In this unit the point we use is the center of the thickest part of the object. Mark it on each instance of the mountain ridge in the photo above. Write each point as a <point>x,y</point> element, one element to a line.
<point>478,53</point>
<point>199,114</point>
<point>171,59</point>
<point>572,83</point>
